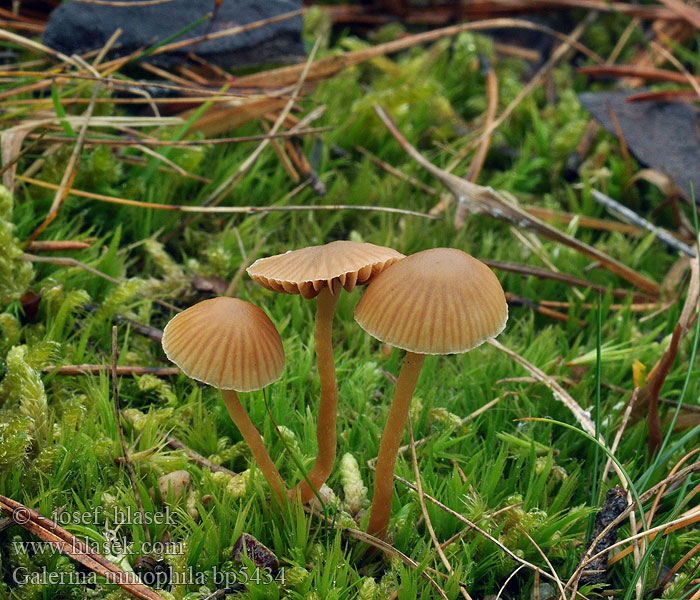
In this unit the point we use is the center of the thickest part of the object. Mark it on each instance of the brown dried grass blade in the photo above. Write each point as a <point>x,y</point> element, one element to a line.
<point>688,12</point>
<point>682,95</point>
<point>673,471</point>
<point>57,246</point>
<point>149,141</point>
<point>546,560</point>
<point>480,156</point>
<point>666,186</point>
<point>440,13</point>
<point>687,518</point>
<point>399,174</point>
<point>516,300</point>
<point>621,139</point>
<point>678,566</point>
<point>485,200</point>
<point>565,218</point>
<point>225,209</point>
<point>88,369</point>
<point>326,67</point>
<point>641,307</point>
<point>649,394</point>
<point>542,273</point>
<point>647,73</point>
<point>687,419</point>
<point>221,118</point>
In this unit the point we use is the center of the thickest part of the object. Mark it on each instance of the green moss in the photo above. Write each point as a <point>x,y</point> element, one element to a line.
<point>22,388</point>
<point>58,435</point>
<point>15,441</point>
<point>15,275</point>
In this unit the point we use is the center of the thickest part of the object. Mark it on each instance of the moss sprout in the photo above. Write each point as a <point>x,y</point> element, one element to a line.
<point>236,486</point>
<point>368,590</point>
<point>15,442</point>
<point>22,387</point>
<point>354,489</point>
<point>151,383</point>
<point>15,275</point>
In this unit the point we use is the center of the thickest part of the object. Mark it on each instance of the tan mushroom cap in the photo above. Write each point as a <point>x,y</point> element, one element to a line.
<point>439,301</point>
<point>307,270</point>
<point>225,342</point>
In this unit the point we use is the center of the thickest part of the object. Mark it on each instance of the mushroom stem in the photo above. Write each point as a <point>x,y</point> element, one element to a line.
<point>389,445</point>
<point>255,442</point>
<point>326,435</point>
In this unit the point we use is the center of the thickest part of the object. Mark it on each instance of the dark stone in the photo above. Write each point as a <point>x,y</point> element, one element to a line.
<point>614,505</point>
<point>260,555</point>
<point>661,135</point>
<point>77,27</point>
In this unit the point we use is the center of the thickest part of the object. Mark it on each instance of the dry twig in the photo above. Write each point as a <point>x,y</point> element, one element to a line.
<point>227,209</point>
<point>67,543</point>
<point>89,369</point>
<point>486,200</point>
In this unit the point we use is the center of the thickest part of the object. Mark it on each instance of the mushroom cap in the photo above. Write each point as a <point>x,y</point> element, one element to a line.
<point>439,301</point>
<point>307,270</point>
<point>225,342</point>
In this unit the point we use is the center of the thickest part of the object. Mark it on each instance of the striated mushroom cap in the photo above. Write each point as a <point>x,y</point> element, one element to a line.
<point>225,342</point>
<point>439,301</point>
<point>307,270</point>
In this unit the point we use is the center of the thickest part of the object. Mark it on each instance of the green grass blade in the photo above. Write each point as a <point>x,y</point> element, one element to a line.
<point>60,111</point>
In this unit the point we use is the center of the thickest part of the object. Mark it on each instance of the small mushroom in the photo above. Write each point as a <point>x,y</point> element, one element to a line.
<point>439,301</point>
<point>319,272</point>
<point>232,345</point>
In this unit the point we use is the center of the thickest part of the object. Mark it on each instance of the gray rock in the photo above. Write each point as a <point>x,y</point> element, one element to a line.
<point>661,135</point>
<point>77,27</point>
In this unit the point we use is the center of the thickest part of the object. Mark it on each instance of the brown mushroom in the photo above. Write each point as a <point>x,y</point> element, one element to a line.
<point>232,345</point>
<point>320,272</point>
<point>439,301</point>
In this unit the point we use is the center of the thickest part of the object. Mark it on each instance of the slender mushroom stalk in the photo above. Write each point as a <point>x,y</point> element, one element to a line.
<point>389,446</point>
<point>439,301</point>
<point>320,272</point>
<point>252,437</point>
<point>326,434</point>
